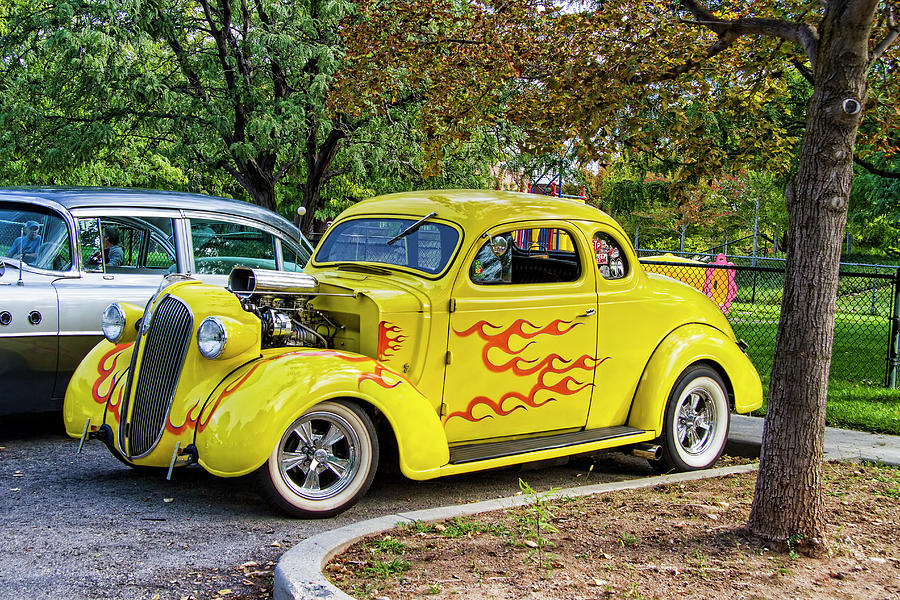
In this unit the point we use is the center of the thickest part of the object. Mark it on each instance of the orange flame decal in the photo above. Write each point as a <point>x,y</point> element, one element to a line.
<point>106,366</point>
<point>552,363</point>
<point>388,345</point>
<point>190,422</point>
<point>377,376</point>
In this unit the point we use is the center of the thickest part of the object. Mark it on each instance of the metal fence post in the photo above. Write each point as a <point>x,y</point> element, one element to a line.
<point>874,284</point>
<point>894,348</point>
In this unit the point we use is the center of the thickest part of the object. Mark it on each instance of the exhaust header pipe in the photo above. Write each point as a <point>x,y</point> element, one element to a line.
<point>648,451</point>
<point>244,280</point>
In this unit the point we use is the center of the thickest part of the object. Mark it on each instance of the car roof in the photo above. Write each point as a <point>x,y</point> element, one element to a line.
<point>475,210</point>
<point>92,197</point>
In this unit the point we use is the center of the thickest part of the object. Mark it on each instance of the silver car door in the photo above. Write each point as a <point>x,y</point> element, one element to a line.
<point>149,256</point>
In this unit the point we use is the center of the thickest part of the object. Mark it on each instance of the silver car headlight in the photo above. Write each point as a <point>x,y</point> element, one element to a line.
<point>113,322</point>
<point>211,337</point>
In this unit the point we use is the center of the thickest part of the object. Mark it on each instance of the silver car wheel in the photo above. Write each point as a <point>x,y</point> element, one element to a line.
<point>318,456</point>
<point>323,463</point>
<point>696,420</point>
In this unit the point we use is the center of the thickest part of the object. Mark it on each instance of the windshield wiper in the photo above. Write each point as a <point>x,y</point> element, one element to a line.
<point>412,228</point>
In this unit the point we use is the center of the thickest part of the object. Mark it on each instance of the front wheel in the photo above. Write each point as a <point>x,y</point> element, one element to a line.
<point>324,462</point>
<point>695,428</point>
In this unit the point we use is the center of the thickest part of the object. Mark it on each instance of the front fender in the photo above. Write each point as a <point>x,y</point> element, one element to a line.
<point>682,347</point>
<point>249,411</point>
<point>93,384</point>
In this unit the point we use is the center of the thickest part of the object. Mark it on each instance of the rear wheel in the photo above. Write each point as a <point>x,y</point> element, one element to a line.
<point>324,462</point>
<point>695,428</point>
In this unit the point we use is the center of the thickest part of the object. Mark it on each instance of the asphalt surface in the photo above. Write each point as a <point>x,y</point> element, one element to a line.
<point>87,526</point>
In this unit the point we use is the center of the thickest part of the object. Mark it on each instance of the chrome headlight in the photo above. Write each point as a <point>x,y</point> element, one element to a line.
<point>211,337</point>
<point>113,322</point>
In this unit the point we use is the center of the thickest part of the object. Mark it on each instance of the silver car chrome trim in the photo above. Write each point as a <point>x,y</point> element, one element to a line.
<point>27,334</point>
<point>70,333</point>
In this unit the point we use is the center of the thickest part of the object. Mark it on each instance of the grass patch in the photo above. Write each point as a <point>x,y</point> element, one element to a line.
<point>863,408</point>
<point>386,569</point>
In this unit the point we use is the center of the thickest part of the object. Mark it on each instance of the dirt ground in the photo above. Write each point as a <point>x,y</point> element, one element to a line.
<point>675,541</point>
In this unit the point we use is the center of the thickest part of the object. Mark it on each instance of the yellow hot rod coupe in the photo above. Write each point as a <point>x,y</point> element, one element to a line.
<point>461,330</point>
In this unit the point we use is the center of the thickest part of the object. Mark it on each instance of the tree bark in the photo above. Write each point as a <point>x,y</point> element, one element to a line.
<point>787,505</point>
<point>318,162</point>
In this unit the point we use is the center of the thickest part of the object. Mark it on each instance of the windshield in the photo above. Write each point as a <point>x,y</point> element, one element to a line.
<point>36,235</point>
<point>428,248</point>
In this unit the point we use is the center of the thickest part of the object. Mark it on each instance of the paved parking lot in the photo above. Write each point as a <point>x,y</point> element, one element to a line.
<point>87,526</point>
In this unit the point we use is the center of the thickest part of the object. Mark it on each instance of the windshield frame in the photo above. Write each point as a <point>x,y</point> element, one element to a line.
<point>435,220</point>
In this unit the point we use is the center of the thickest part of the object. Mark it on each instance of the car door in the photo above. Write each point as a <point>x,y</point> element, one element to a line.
<point>147,239</point>
<point>628,326</point>
<point>522,345</point>
<point>29,318</point>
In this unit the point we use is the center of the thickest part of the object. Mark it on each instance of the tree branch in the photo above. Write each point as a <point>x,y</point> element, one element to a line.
<point>802,34</point>
<point>889,38</point>
<point>875,170</point>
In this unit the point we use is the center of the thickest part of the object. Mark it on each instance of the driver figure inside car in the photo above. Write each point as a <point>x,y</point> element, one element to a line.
<point>28,244</point>
<point>115,256</point>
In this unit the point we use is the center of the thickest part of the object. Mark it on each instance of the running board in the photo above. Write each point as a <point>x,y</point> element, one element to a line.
<point>486,451</point>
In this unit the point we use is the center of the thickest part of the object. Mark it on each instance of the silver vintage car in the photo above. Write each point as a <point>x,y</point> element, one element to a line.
<point>66,253</point>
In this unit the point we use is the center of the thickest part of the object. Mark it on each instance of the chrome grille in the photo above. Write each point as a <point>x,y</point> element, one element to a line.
<point>165,346</point>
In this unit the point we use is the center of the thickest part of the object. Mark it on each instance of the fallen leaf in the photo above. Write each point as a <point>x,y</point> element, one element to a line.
<point>168,500</point>
<point>531,543</point>
<point>599,582</point>
<point>248,564</point>
<point>225,592</point>
<point>681,524</point>
<point>440,527</point>
<point>275,544</point>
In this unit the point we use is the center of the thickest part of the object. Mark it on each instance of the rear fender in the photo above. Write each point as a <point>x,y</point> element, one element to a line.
<point>683,347</point>
<point>246,415</point>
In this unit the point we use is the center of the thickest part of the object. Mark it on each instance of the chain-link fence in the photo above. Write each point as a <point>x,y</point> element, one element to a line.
<point>750,296</point>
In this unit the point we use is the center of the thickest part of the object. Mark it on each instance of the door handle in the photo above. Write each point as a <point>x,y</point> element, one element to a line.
<point>589,312</point>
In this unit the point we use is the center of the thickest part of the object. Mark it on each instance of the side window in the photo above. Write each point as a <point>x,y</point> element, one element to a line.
<point>540,255</point>
<point>294,260</point>
<point>220,246</point>
<point>493,263</point>
<point>611,260</point>
<point>122,243</point>
<point>35,235</point>
<point>127,244</point>
<point>89,238</point>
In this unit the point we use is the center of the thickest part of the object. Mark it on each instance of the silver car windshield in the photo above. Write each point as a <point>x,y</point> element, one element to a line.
<point>34,235</point>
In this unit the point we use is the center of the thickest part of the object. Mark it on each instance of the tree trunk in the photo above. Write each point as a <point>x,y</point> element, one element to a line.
<point>318,162</point>
<point>787,505</point>
<point>257,176</point>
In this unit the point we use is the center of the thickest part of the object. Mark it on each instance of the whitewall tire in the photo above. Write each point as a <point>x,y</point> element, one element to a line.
<point>695,427</point>
<point>324,462</point>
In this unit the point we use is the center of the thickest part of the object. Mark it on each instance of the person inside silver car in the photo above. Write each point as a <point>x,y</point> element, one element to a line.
<point>115,256</point>
<point>28,244</point>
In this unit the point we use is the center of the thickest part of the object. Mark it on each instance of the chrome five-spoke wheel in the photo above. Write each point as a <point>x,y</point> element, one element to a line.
<point>324,461</point>
<point>695,427</point>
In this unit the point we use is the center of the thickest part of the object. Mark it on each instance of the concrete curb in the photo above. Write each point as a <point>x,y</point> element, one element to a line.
<point>298,575</point>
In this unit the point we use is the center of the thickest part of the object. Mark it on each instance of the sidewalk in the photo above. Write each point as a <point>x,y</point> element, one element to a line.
<point>298,575</point>
<point>840,444</point>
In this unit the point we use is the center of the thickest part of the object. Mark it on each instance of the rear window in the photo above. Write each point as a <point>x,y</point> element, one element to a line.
<point>428,248</point>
